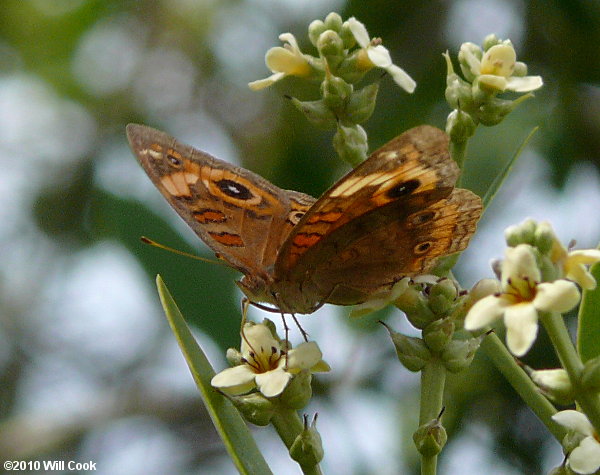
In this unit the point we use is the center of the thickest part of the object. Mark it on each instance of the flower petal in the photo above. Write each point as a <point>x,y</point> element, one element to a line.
<point>521,322</point>
<point>574,420</point>
<point>580,274</point>
<point>379,56</point>
<point>558,296</point>
<point>584,256</point>
<point>258,338</point>
<point>361,35</point>
<point>497,83</point>
<point>499,60</point>
<point>263,83</point>
<point>519,263</point>
<point>291,39</point>
<point>272,383</point>
<point>524,84</point>
<point>585,458</point>
<point>304,356</point>
<point>236,380</point>
<point>401,78</point>
<point>485,311</point>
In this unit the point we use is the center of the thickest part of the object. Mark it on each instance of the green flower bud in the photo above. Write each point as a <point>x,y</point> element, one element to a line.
<point>554,384</point>
<point>590,378</point>
<point>331,48</point>
<point>491,40</point>
<point>458,91</point>
<point>233,357</point>
<point>298,392</point>
<point>412,352</point>
<point>430,438</point>
<point>414,305</point>
<point>255,408</point>
<point>333,21</point>
<point>467,49</point>
<point>349,69</point>
<point>523,233</point>
<point>335,92</point>
<point>561,470</point>
<point>459,354</point>
<point>544,237</point>
<point>442,296</point>
<point>438,333</point>
<point>495,110</point>
<point>361,104</point>
<point>347,36</point>
<point>317,113</point>
<point>460,126</point>
<point>307,449</point>
<point>520,69</point>
<point>350,143</point>
<point>314,31</point>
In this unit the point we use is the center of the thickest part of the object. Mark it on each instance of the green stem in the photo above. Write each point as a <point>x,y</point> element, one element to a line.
<point>518,379</point>
<point>559,335</point>
<point>433,382</point>
<point>289,425</point>
<point>458,152</point>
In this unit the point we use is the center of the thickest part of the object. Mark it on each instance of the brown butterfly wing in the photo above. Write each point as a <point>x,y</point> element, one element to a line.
<point>238,214</point>
<point>365,232</point>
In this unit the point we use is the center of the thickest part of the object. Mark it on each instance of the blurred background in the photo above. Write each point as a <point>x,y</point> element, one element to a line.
<point>88,367</point>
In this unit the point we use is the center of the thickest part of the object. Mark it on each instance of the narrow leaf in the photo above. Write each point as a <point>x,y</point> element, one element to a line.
<point>588,331</point>
<point>499,180</point>
<point>231,427</point>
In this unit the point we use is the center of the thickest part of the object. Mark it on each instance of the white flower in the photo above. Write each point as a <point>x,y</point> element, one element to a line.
<point>520,299</point>
<point>264,364</point>
<point>283,61</point>
<point>585,458</point>
<point>496,67</point>
<point>379,56</point>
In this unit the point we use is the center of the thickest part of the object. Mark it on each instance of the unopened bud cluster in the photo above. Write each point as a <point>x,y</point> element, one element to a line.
<point>435,308</point>
<point>345,54</point>
<point>486,73</point>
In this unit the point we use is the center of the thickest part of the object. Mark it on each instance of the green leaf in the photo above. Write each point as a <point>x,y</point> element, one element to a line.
<point>499,180</point>
<point>588,331</point>
<point>230,425</point>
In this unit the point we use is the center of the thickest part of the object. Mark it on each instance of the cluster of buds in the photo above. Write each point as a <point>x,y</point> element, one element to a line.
<point>433,305</point>
<point>345,54</point>
<point>538,274</point>
<point>487,72</point>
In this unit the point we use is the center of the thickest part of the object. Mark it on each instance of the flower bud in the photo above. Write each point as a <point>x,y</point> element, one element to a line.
<point>317,113</point>
<point>458,91</point>
<point>520,69</point>
<point>361,104</point>
<point>350,143</point>
<point>544,237</point>
<point>590,378</point>
<point>459,354</point>
<point>347,36</point>
<point>331,47</point>
<point>438,333</point>
<point>335,92</point>
<point>460,126</point>
<point>430,438</point>
<point>491,40</point>
<point>412,352</point>
<point>554,384</point>
<point>468,52</point>
<point>254,407</point>
<point>333,21</point>
<point>523,233</point>
<point>494,110</point>
<point>442,296</point>
<point>298,392</point>
<point>314,31</point>
<point>233,357</point>
<point>414,305</point>
<point>307,449</point>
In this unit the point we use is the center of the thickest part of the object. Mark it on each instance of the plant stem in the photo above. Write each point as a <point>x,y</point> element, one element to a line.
<point>288,425</point>
<point>589,401</point>
<point>458,152</point>
<point>433,382</point>
<point>518,379</point>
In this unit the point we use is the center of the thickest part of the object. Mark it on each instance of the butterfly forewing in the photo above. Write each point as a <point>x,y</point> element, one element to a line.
<point>237,213</point>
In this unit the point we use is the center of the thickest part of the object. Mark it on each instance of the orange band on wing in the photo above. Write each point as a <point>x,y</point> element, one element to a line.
<point>227,239</point>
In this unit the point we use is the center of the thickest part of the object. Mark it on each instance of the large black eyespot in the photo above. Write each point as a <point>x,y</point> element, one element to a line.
<point>422,248</point>
<point>403,189</point>
<point>234,189</point>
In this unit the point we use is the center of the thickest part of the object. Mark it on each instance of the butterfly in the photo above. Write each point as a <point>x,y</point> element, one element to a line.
<point>391,217</point>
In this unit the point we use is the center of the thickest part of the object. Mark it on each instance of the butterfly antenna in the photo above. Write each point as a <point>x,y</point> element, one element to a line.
<point>152,242</point>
